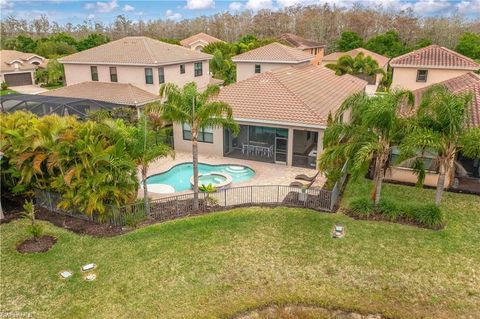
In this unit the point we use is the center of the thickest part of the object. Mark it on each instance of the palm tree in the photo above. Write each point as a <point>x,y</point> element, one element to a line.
<point>440,126</point>
<point>361,66</point>
<point>144,149</point>
<point>373,130</point>
<point>199,110</point>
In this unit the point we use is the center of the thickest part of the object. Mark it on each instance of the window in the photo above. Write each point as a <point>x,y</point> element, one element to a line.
<point>258,68</point>
<point>161,75</point>
<point>198,69</point>
<point>204,135</point>
<point>94,73</point>
<point>113,74</point>
<point>422,75</point>
<point>182,68</point>
<point>148,76</point>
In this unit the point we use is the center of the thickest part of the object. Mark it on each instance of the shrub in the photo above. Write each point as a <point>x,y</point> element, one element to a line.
<point>4,86</point>
<point>428,215</point>
<point>34,229</point>
<point>362,207</point>
<point>390,209</point>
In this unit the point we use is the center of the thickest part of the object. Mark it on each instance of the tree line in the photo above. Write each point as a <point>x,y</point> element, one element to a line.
<point>323,23</point>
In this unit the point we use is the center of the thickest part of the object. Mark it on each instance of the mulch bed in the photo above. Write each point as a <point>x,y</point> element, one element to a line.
<point>39,245</point>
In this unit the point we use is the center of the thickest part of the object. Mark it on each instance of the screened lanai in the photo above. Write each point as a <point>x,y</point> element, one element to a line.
<point>44,105</point>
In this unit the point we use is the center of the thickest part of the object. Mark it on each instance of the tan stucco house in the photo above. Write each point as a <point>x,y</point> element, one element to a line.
<point>308,46</point>
<point>140,61</point>
<point>18,68</point>
<point>467,173</point>
<point>198,41</point>
<point>269,57</point>
<point>429,65</point>
<point>282,115</point>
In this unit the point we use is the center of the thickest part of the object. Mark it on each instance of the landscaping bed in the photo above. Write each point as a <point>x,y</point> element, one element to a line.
<point>40,245</point>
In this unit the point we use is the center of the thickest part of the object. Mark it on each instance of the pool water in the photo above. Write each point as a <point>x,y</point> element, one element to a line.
<point>179,176</point>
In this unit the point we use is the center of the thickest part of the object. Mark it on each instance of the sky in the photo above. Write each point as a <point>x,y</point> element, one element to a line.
<point>64,11</point>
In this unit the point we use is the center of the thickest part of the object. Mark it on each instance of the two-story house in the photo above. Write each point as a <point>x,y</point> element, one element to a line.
<point>308,46</point>
<point>140,61</point>
<point>198,41</point>
<point>18,68</point>
<point>429,65</point>
<point>270,57</point>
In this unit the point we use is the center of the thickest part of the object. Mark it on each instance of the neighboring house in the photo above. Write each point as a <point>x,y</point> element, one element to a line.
<point>268,58</point>
<point>198,41</point>
<point>308,46</point>
<point>382,61</point>
<point>282,115</point>
<point>141,61</point>
<point>429,65</point>
<point>467,173</point>
<point>18,68</point>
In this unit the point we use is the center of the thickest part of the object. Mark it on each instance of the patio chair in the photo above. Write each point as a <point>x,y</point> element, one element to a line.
<point>298,184</point>
<point>304,177</point>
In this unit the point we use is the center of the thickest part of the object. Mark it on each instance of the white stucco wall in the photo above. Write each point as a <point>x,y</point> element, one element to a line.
<point>215,148</point>
<point>77,73</point>
<point>246,70</point>
<point>406,78</point>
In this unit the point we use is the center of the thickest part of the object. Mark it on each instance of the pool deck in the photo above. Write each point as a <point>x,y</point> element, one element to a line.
<point>265,173</point>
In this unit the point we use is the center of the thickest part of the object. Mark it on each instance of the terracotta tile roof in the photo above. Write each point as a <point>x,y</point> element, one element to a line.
<point>435,56</point>
<point>119,93</point>
<point>136,51</point>
<point>468,82</point>
<point>275,53</point>
<point>199,37</point>
<point>333,57</point>
<point>299,42</point>
<point>301,95</point>
<point>9,56</point>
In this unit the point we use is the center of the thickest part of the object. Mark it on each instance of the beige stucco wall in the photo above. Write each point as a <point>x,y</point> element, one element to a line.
<point>318,57</point>
<point>407,175</point>
<point>215,148</point>
<point>77,73</point>
<point>246,70</point>
<point>406,78</point>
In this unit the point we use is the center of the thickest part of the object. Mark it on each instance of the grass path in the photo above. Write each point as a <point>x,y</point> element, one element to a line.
<point>224,263</point>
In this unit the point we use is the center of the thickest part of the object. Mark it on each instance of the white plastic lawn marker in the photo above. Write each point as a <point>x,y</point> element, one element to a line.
<point>338,231</point>
<point>88,267</point>
<point>65,274</point>
<point>90,277</point>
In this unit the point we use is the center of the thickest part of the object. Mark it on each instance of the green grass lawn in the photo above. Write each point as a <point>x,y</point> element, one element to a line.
<point>225,263</point>
<point>7,91</point>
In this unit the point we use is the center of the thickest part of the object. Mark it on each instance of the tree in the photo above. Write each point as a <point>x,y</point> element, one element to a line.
<point>363,66</point>
<point>199,110</point>
<point>348,40</point>
<point>388,44</point>
<point>91,41</point>
<point>469,45</point>
<point>439,126</point>
<point>21,43</point>
<point>374,129</point>
<point>55,71</point>
<point>51,48</point>
<point>143,148</point>
<point>222,68</point>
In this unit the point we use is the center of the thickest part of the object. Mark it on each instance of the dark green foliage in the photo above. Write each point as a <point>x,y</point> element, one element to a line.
<point>424,215</point>
<point>91,41</point>
<point>388,44</point>
<point>4,86</point>
<point>127,114</point>
<point>348,41</point>
<point>469,45</point>
<point>170,40</point>
<point>33,229</point>
<point>422,43</point>
<point>52,48</point>
<point>21,43</point>
<point>332,175</point>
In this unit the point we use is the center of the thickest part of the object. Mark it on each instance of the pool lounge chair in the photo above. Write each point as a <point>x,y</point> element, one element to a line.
<point>304,177</point>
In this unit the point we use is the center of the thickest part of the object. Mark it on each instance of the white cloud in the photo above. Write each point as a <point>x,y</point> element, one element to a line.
<point>199,4</point>
<point>5,4</point>
<point>469,6</point>
<point>289,3</point>
<point>430,6</point>
<point>174,16</point>
<point>102,7</point>
<point>128,8</point>
<point>235,6</point>
<point>91,16</point>
<point>256,5</point>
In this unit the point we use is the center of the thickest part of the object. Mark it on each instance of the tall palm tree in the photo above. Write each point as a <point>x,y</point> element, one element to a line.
<point>373,130</point>
<point>199,110</point>
<point>440,126</point>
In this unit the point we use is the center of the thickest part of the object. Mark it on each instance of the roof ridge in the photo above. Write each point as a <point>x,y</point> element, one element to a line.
<point>414,52</point>
<point>293,93</point>
<point>149,51</point>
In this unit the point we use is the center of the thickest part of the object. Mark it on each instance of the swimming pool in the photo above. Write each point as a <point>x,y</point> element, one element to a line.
<point>178,177</point>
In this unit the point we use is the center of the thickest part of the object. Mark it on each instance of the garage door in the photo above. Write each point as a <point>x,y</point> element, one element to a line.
<point>18,79</point>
